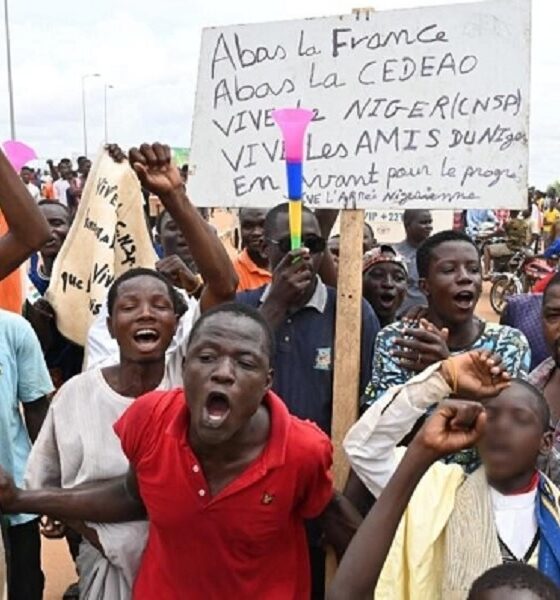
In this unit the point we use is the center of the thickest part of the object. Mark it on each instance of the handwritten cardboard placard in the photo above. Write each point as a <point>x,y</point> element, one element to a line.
<point>108,237</point>
<point>418,108</point>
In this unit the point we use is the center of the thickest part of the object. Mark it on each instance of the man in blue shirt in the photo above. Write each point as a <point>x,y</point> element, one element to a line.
<point>302,311</point>
<point>524,312</point>
<point>477,219</point>
<point>23,379</point>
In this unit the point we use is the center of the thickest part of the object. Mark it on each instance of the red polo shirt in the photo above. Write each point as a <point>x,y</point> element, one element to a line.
<point>248,541</point>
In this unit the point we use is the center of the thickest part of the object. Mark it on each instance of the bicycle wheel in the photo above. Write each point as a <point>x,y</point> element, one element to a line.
<point>502,289</point>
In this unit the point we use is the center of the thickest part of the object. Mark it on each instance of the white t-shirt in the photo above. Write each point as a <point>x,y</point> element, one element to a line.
<point>77,445</point>
<point>34,191</point>
<point>102,350</point>
<point>61,186</point>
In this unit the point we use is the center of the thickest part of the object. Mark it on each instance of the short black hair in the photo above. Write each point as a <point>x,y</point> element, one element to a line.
<point>426,249</point>
<point>53,203</point>
<point>410,214</point>
<point>203,212</point>
<point>179,305</point>
<point>26,169</point>
<point>273,213</point>
<point>552,283</point>
<point>536,394</point>
<point>369,228</point>
<point>246,208</point>
<point>236,309</point>
<point>515,576</point>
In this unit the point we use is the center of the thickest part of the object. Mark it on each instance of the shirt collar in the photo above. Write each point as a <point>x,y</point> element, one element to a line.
<point>540,375</point>
<point>251,265</point>
<point>318,300</point>
<point>275,450</point>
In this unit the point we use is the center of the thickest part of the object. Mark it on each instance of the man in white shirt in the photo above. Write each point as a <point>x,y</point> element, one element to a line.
<point>26,175</point>
<point>64,182</point>
<point>456,526</point>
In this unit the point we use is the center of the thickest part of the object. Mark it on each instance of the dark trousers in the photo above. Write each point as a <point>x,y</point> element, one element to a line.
<point>25,578</point>
<point>317,561</point>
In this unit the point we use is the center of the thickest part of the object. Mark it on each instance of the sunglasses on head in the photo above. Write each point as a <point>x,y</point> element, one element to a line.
<point>313,243</point>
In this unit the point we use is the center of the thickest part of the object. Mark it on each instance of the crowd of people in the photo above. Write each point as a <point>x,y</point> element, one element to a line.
<point>185,452</point>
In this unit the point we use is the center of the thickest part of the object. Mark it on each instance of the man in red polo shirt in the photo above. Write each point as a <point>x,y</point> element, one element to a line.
<point>226,478</point>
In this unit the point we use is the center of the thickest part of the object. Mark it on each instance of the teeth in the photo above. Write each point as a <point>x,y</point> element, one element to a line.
<point>146,332</point>
<point>215,418</point>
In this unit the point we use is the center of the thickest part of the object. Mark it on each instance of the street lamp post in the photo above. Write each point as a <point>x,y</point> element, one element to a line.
<point>10,83</point>
<point>84,77</point>
<point>107,87</point>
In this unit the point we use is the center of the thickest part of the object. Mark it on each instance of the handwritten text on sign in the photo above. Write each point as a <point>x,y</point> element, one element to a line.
<point>108,237</point>
<point>418,108</point>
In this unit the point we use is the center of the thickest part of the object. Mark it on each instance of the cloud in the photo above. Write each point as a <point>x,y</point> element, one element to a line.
<point>149,52</point>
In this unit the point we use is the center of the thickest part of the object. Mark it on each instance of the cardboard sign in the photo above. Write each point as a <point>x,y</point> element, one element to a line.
<point>418,108</point>
<point>108,237</point>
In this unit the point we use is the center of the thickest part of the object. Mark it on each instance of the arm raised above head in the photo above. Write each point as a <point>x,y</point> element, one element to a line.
<point>28,230</point>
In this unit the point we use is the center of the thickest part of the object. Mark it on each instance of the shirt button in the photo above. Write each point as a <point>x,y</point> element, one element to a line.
<point>201,493</point>
<point>289,321</point>
<point>196,468</point>
<point>287,338</point>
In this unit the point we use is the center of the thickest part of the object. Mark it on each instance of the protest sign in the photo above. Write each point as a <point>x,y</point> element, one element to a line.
<point>108,237</point>
<point>417,108</point>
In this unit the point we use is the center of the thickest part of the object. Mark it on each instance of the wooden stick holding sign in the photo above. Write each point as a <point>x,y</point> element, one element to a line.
<point>347,339</point>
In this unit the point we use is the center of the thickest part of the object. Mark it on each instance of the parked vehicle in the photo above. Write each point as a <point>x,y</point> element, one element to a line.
<point>523,272</point>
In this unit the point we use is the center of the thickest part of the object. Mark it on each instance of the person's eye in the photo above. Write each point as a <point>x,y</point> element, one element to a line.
<point>246,362</point>
<point>206,357</point>
<point>523,418</point>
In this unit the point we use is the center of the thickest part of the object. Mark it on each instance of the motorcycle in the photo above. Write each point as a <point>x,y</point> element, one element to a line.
<point>523,271</point>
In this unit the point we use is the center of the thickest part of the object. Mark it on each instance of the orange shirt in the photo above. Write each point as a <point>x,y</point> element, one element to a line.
<point>10,287</point>
<point>250,275</point>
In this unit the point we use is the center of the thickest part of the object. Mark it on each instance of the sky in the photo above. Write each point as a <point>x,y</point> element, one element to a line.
<point>148,51</point>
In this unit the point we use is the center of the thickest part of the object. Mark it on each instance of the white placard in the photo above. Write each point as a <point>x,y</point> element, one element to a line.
<point>419,108</point>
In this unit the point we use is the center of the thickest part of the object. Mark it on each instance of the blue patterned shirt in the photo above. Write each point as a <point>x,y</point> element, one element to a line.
<point>509,343</point>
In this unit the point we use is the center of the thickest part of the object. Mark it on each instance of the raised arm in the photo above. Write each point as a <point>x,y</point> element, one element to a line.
<point>153,165</point>
<point>28,230</point>
<point>454,426</point>
<point>371,442</point>
<point>110,501</point>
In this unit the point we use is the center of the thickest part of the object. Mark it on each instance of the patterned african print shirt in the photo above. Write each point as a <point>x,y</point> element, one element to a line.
<point>509,343</point>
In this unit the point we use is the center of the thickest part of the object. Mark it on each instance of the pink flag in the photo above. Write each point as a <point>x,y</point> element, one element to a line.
<point>18,154</point>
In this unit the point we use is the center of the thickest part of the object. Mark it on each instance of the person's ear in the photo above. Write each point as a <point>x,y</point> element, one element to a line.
<point>110,327</point>
<point>269,379</point>
<point>424,287</point>
<point>547,442</point>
